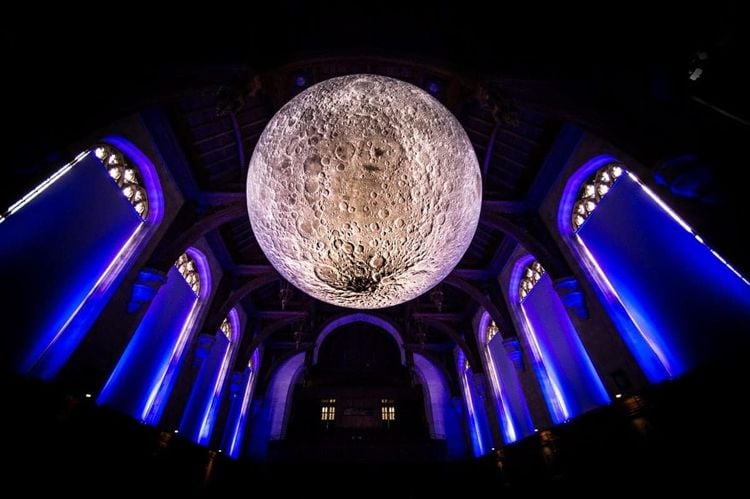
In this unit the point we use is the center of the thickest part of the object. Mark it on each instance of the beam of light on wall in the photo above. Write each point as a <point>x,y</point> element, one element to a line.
<point>82,274</point>
<point>664,206</point>
<point>653,362</point>
<point>676,302</point>
<point>145,374</point>
<point>42,186</point>
<point>165,379</point>
<point>476,432</point>
<point>475,429</point>
<point>513,397</point>
<point>63,251</point>
<point>550,386</point>
<point>210,356</point>
<point>553,336</point>
<point>642,345</point>
<point>73,330</point>
<point>509,428</point>
<point>238,432</point>
<point>138,376</point>
<point>238,429</point>
<point>234,445</point>
<point>209,416</point>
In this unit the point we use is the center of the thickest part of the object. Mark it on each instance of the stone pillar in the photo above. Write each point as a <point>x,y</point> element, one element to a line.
<point>570,292</point>
<point>147,284</point>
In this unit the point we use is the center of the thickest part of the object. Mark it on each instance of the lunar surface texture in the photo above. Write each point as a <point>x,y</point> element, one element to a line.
<point>364,191</point>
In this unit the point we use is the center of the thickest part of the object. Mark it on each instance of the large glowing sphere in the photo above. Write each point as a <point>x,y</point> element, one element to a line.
<point>364,191</point>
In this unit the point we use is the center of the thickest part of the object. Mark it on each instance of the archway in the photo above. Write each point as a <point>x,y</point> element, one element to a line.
<point>357,401</point>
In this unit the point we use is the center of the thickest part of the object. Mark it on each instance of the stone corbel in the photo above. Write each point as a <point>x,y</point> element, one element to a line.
<point>146,286</point>
<point>513,349</point>
<point>571,294</point>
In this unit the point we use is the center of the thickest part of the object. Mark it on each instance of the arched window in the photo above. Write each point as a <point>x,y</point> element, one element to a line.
<point>65,246</point>
<point>143,378</point>
<point>515,420</point>
<point>241,387</point>
<point>271,421</point>
<point>215,355</point>
<point>569,382</point>
<point>675,301</point>
<point>445,423</point>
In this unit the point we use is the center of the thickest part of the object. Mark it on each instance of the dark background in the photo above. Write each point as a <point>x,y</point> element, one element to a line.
<point>66,72</point>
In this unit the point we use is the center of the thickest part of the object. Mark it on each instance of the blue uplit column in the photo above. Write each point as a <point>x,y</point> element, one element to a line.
<point>676,301</point>
<point>508,404</point>
<point>198,418</point>
<point>143,378</point>
<point>513,410</point>
<point>569,380</point>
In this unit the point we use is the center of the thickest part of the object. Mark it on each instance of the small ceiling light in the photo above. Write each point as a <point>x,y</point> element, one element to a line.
<point>88,395</point>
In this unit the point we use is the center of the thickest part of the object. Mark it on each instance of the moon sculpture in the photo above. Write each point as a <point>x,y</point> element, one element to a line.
<point>364,191</point>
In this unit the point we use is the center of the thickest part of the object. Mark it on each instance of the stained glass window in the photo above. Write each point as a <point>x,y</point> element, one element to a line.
<point>189,271</point>
<point>127,177</point>
<point>593,191</point>
<point>531,276</point>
